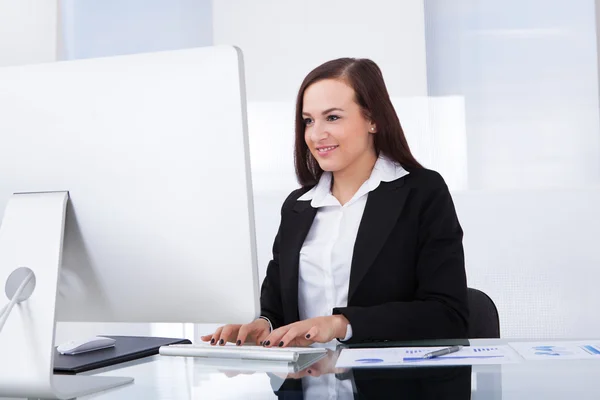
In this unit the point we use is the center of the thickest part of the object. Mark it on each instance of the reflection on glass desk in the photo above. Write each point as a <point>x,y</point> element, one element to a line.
<point>194,378</point>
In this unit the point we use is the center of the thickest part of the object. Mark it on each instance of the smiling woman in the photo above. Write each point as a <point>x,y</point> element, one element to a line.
<point>340,138</point>
<point>370,248</point>
<point>352,90</point>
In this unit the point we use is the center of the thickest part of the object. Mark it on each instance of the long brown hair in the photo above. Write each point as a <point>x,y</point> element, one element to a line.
<point>365,77</point>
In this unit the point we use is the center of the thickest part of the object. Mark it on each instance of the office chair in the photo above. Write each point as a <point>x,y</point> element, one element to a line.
<point>484,321</point>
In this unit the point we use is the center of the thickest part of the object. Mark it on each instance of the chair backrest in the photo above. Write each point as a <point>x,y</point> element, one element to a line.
<point>484,321</point>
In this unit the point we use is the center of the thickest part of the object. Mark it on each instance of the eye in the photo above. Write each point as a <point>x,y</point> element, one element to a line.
<point>308,121</point>
<point>332,118</point>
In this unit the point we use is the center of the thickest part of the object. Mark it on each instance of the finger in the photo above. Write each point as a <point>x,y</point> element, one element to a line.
<point>261,331</point>
<point>206,338</point>
<point>262,337</point>
<point>227,335</point>
<point>275,337</point>
<point>291,336</point>
<point>313,334</point>
<point>215,337</point>
<point>242,334</point>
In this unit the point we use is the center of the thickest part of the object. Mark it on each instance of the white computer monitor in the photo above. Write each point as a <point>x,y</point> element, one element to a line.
<point>153,152</point>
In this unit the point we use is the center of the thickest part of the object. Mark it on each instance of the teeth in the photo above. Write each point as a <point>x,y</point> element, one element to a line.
<point>327,148</point>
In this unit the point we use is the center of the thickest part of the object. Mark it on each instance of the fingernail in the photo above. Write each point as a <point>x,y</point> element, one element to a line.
<point>280,344</point>
<point>212,341</point>
<point>239,342</point>
<point>221,342</point>
<point>309,371</point>
<point>308,335</point>
<point>268,342</point>
<point>261,343</point>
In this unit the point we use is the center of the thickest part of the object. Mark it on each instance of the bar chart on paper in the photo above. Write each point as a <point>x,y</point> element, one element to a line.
<point>396,356</point>
<point>579,350</point>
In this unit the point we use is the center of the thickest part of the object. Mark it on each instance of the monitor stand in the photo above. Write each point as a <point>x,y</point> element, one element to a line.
<point>31,236</point>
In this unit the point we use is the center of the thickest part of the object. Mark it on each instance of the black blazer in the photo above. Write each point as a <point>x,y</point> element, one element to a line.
<point>437,383</point>
<point>407,277</point>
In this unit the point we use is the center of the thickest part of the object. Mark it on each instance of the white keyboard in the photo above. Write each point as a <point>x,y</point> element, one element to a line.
<point>246,352</point>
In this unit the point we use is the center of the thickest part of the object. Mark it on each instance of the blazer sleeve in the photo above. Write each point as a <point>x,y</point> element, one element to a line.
<point>439,309</point>
<point>271,306</point>
<point>270,293</point>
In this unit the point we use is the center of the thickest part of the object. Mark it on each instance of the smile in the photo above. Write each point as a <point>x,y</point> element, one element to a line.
<point>326,149</point>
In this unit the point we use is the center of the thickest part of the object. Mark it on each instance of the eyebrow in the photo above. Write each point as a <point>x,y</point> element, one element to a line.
<point>325,112</point>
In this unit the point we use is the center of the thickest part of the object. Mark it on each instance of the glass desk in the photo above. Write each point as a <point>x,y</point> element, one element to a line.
<point>189,378</point>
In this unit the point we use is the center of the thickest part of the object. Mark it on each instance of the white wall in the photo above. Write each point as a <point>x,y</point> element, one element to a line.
<point>283,40</point>
<point>528,73</point>
<point>28,31</point>
<point>93,28</point>
<point>535,252</point>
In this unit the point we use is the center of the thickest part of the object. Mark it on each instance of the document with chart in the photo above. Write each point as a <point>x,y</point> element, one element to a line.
<point>397,356</point>
<point>558,350</point>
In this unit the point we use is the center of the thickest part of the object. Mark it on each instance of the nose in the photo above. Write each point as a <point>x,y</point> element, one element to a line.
<point>318,132</point>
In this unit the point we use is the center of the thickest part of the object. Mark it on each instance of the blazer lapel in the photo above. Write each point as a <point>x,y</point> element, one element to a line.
<point>382,211</point>
<point>299,221</point>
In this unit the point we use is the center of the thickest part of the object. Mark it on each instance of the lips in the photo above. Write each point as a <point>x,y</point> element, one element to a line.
<point>326,149</point>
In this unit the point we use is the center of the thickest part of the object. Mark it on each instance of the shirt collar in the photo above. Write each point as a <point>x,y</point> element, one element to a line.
<point>385,170</point>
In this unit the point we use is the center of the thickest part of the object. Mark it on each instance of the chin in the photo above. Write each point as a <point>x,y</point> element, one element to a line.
<point>329,165</point>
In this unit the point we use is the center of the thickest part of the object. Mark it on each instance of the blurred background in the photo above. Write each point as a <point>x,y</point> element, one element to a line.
<point>500,97</point>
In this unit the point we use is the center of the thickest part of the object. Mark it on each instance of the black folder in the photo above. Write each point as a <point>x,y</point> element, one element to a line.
<point>127,348</point>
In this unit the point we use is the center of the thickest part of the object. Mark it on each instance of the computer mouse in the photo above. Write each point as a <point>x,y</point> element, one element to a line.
<point>84,346</point>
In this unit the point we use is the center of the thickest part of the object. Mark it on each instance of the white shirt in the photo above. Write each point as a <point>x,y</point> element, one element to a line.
<point>326,255</point>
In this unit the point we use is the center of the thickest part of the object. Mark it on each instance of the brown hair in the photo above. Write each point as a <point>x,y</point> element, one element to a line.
<point>365,77</point>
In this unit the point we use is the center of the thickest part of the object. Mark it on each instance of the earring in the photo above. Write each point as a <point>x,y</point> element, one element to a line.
<point>372,129</point>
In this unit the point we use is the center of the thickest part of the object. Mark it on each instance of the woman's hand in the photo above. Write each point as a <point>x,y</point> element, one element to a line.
<point>256,332</point>
<point>309,331</point>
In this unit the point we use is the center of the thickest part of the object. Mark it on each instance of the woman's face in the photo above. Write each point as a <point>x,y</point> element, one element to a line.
<point>336,132</point>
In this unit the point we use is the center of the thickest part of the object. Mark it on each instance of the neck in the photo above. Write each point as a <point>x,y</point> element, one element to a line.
<point>347,181</point>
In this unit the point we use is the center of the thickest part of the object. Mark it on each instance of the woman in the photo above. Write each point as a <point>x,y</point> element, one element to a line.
<point>370,248</point>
